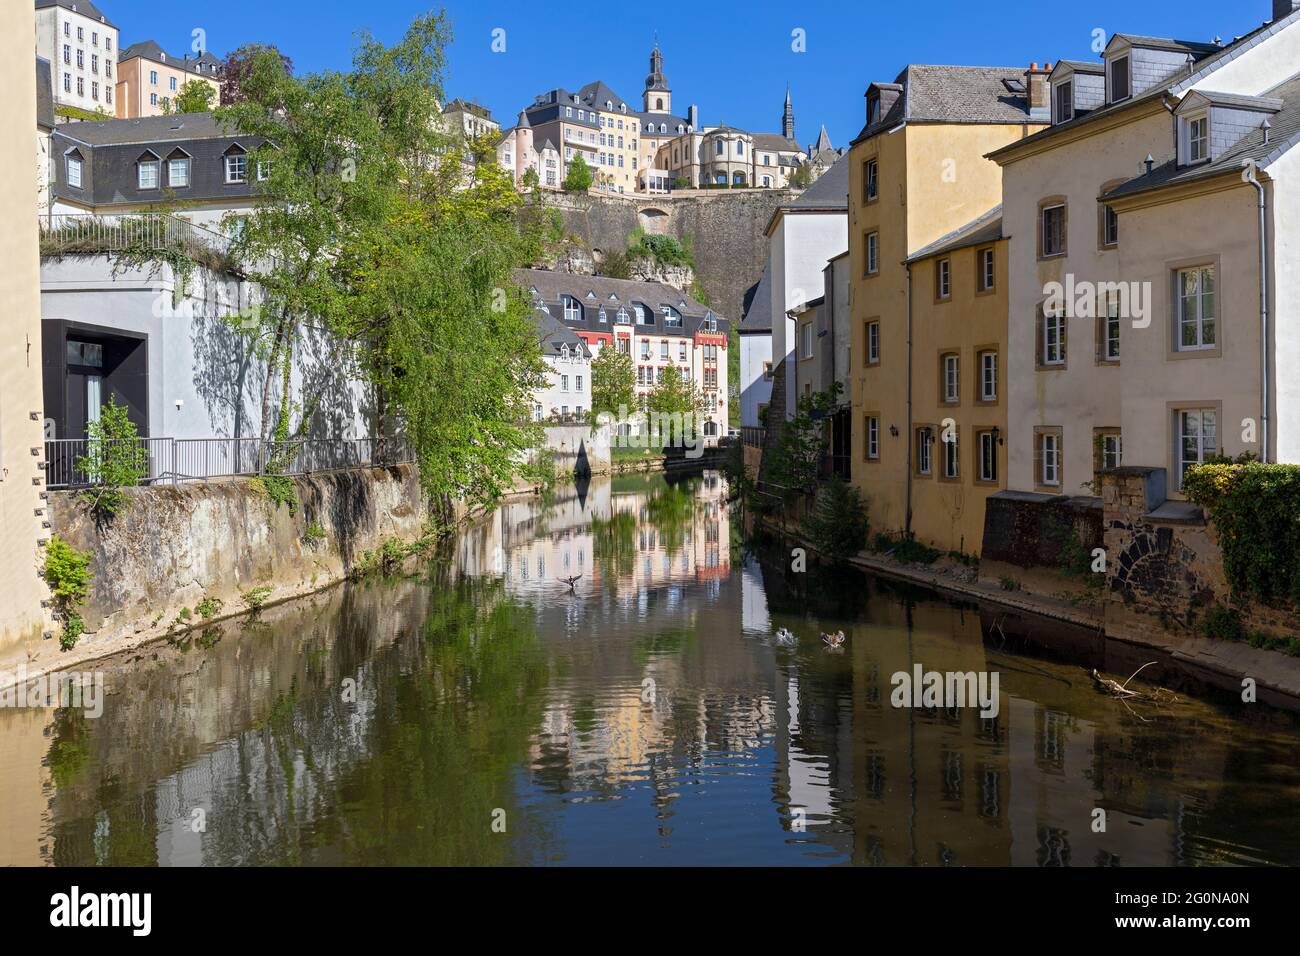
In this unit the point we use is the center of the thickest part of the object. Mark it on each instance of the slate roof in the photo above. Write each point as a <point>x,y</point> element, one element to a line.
<point>84,7</point>
<point>613,293</point>
<point>1266,104</point>
<point>1083,66</point>
<point>1165,43</point>
<point>146,129</point>
<point>1282,136</point>
<point>552,335</point>
<point>953,94</point>
<point>756,315</point>
<point>1178,84</point>
<point>44,94</point>
<point>831,191</point>
<point>151,50</point>
<point>978,232</point>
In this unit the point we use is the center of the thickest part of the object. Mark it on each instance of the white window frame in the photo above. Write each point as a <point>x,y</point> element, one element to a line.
<point>952,456</point>
<point>988,376</point>
<point>873,438</point>
<point>873,253</point>
<point>1112,449</point>
<point>988,455</point>
<point>1049,444</point>
<point>873,342</point>
<point>231,162</point>
<point>952,379</point>
<point>806,338</point>
<point>1198,147</point>
<point>74,170</point>
<point>1110,342</point>
<point>944,269</point>
<point>148,174</point>
<point>1207,444</point>
<point>1046,253</point>
<point>1053,323</point>
<point>924,451</point>
<point>1200,321</point>
<point>1066,87</point>
<point>1126,59</point>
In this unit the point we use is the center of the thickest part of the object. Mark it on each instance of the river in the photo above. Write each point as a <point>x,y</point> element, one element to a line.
<point>478,711</point>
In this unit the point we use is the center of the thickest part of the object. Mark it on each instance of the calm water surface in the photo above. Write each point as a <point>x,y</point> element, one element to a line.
<point>648,718</point>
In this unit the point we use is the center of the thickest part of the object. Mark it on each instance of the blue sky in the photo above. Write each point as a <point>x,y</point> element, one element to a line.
<point>733,60</point>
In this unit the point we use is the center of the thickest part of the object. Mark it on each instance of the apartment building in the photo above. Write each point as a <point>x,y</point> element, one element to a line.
<point>81,46</point>
<point>920,187</point>
<point>614,138</point>
<point>726,156</point>
<point>959,419</point>
<point>802,236</point>
<point>22,504</point>
<point>470,119</point>
<point>518,152</point>
<point>125,166</point>
<point>149,79</point>
<point>566,396</point>
<point>1144,329</point>
<point>659,326</point>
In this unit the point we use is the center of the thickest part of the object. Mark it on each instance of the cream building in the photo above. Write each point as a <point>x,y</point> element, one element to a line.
<point>1134,202</point>
<point>149,79</point>
<point>44,134</point>
<point>22,506</point>
<point>471,119</point>
<point>81,45</point>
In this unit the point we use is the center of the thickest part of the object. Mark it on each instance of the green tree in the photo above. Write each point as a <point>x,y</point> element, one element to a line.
<point>797,455</point>
<point>115,459</point>
<point>801,178</point>
<point>613,381</point>
<point>675,395</point>
<point>194,97</point>
<point>237,70</point>
<point>531,180</point>
<point>579,177</point>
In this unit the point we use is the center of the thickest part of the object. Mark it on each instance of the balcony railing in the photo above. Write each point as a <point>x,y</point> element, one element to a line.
<point>69,462</point>
<point>87,234</point>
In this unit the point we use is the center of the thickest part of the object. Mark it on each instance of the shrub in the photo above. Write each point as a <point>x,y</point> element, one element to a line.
<point>837,525</point>
<point>1256,509</point>
<point>115,459</point>
<point>1223,624</point>
<point>67,572</point>
<point>209,607</point>
<point>256,598</point>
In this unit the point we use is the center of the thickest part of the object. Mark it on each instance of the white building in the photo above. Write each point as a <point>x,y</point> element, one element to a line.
<point>802,237</point>
<point>567,394</point>
<point>81,45</point>
<point>756,353</point>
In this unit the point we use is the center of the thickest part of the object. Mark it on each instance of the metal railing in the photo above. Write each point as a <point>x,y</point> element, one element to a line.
<point>70,462</point>
<point>63,234</point>
<point>752,435</point>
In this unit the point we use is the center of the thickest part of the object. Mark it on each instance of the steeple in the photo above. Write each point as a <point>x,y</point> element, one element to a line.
<point>787,120</point>
<point>657,96</point>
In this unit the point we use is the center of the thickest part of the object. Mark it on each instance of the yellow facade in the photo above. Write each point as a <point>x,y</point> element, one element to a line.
<point>931,181</point>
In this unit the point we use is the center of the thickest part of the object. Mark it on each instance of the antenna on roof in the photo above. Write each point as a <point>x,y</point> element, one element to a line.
<point>1267,127</point>
<point>1150,163</point>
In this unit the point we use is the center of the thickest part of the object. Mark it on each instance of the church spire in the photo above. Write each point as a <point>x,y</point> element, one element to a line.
<point>787,119</point>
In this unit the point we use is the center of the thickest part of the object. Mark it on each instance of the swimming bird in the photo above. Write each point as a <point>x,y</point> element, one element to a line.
<point>834,641</point>
<point>785,638</point>
<point>571,582</point>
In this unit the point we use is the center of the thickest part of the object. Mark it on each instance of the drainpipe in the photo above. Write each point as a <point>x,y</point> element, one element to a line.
<point>1250,174</point>
<point>907,435</point>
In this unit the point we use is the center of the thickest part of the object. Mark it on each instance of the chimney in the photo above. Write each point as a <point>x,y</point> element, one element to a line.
<point>1036,90</point>
<point>1284,8</point>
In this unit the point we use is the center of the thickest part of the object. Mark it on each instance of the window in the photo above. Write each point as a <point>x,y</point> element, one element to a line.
<point>870,180</point>
<point>67,82</point>
<point>988,376</point>
<point>1198,139</point>
<point>873,343</point>
<point>767,371</point>
<point>1049,459</point>
<point>672,318</point>
<point>663,351</point>
<point>645,348</point>
<point>1108,449</point>
<point>1196,309</point>
<point>642,314</point>
<point>872,432</point>
<point>94,91</point>
<point>147,173</point>
<point>924,450</point>
<point>988,457</point>
<point>1198,438</point>
<point>81,59</point>
<point>1053,231</point>
<point>602,317</point>
<point>807,333</point>
<point>564,383</point>
<point>153,77</point>
<point>577,383</point>
<point>873,253</point>
<point>172,84</point>
<point>943,279</point>
<point>951,456</point>
<point>67,54</point>
<point>153,99</point>
<point>718,148</point>
<point>74,171</point>
<point>987,270</point>
<point>1109,227</point>
<point>572,308</point>
<point>1109,345</point>
<point>951,389</point>
<point>1119,79</point>
<point>1051,343</point>
<point>94,63</point>
<point>1064,101</point>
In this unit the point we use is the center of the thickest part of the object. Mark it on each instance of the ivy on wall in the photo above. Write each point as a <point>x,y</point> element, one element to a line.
<point>1256,509</point>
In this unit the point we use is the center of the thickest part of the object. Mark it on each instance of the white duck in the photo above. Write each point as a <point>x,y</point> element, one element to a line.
<point>785,638</point>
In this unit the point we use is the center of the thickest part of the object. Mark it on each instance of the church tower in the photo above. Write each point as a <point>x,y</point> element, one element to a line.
<point>787,118</point>
<point>658,98</point>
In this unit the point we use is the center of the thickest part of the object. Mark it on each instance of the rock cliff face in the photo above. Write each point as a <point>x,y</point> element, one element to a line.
<point>727,229</point>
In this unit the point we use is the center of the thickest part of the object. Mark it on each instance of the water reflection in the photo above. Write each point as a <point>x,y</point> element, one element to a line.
<point>646,717</point>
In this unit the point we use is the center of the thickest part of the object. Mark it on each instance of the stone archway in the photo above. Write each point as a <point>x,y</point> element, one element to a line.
<point>654,221</point>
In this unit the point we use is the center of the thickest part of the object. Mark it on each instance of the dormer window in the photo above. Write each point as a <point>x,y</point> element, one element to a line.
<point>73,160</point>
<point>147,171</point>
<point>236,166</point>
<point>672,318</point>
<point>873,109</point>
<point>572,309</point>
<point>1198,138</point>
<point>1063,101</point>
<point>1120,87</point>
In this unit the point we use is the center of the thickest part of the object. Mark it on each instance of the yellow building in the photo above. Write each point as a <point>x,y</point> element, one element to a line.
<point>22,509</point>
<point>149,79</point>
<point>918,175</point>
<point>959,416</point>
